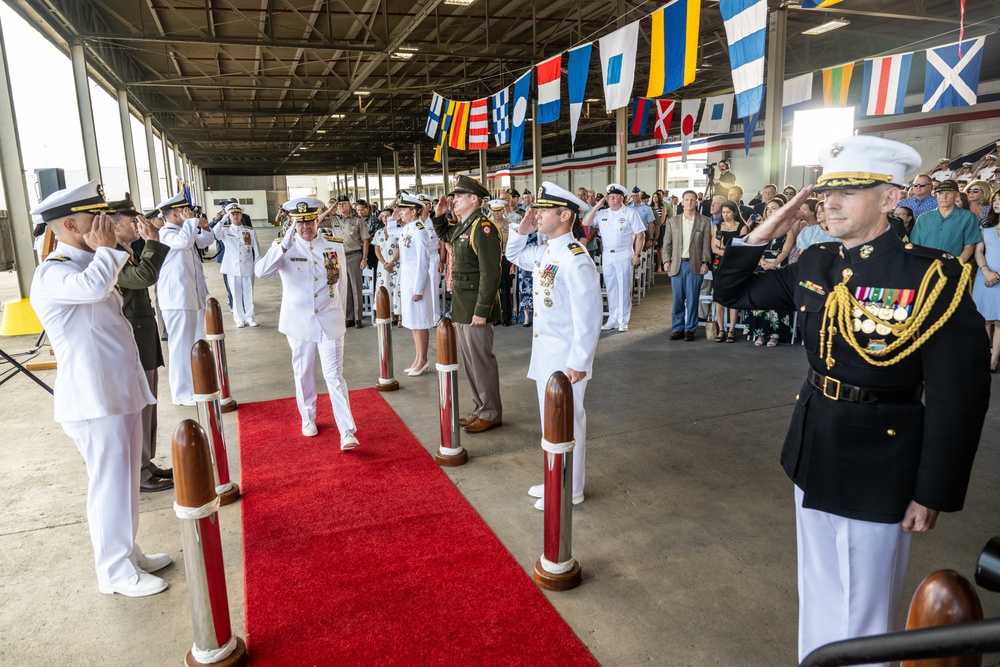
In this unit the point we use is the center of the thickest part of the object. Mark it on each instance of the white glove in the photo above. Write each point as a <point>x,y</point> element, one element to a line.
<point>289,239</point>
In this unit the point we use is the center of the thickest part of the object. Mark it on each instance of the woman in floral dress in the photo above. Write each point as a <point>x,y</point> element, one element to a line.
<point>524,286</point>
<point>387,274</point>
<point>771,327</point>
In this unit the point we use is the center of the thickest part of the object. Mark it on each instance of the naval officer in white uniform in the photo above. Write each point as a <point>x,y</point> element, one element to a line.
<point>100,387</point>
<point>623,235</point>
<point>181,290</point>
<point>417,249</point>
<point>567,319</point>
<point>241,252</point>
<point>313,293</point>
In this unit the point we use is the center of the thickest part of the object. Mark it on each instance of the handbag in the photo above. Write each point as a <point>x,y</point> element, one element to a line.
<point>711,330</point>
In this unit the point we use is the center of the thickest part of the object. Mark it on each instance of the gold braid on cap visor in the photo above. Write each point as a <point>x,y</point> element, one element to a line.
<point>303,217</point>
<point>857,179</point>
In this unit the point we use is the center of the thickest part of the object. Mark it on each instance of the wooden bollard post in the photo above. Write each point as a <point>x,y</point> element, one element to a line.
<point>197,507</point>
<point>383,323</point>
<point>206,395</point>
<point>556,569</point>
<point>944,598</point>
<point>216,336</point>
<point>450,453</point>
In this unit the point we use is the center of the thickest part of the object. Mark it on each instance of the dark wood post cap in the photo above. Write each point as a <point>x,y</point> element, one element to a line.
<point>203,369</point>
<point>194,478</point>
<point>943,598</point>
<point>213,317</point>
<point>447,354</point>
<point>383,307</point>
<point>558,408</point>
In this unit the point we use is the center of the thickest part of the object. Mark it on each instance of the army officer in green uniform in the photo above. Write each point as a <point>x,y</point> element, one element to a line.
<point>475,303</point>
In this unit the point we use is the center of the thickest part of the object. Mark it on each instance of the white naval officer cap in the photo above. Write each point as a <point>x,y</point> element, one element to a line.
<point>179,200</point>
<point>616,189</point>
<point>498,204</point>
<point>410,201</point>
<point>944,160</point>
<point>233,207</point>
<point>551,195</point>
<point>864,162</point>
<point>425,198</point>
<point>87,198</point>
<point>303,209</point>
<point>991,156</point>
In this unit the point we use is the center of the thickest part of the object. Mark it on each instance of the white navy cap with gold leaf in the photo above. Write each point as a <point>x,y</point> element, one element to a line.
<point>303,209</point>
<point>87,198</point>
<point>864,162</point>
<point>551,195</point>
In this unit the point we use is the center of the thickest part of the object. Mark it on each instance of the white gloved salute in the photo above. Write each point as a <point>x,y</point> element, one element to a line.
<point>289,239</point>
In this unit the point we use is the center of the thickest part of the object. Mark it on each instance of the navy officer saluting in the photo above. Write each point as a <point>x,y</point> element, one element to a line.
<point>885,323</point>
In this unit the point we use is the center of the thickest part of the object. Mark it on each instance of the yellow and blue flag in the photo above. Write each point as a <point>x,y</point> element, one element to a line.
<point>673,46</point>
<point>816,4</point>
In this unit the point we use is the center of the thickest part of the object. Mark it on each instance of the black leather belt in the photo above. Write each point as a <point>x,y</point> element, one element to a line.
<point>838,391</point>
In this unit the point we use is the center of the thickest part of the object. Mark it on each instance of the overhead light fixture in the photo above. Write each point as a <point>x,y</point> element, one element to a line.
<point>362,93</point>
<point>592,99</point>
<point>827,27</point>
<point>403,55</point>
<point>320,131</point>
<point>461,3</point>
<point>304,148</point>
<point>337,116</point>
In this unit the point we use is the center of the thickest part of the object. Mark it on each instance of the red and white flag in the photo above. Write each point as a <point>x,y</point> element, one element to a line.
<point>548,89</point>
<point>479,126</point>
<point>689,116</point>
<point>664,114</point>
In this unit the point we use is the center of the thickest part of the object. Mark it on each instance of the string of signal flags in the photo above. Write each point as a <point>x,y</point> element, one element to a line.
<point>952,78</point>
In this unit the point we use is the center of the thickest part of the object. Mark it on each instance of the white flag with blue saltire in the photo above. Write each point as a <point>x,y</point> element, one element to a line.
<point>618,65</point>
<point>500,113</point>
<point>434,116</point>
<point>746,28</point>
<point>952,80</point>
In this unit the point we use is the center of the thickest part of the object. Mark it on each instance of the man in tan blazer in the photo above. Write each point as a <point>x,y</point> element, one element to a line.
<point>687,248</point>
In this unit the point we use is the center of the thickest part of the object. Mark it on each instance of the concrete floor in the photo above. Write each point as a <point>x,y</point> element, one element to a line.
<point>686,537</point>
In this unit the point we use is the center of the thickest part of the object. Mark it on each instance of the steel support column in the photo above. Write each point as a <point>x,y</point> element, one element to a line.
<point>368,190</point>
<point>419,185</point>
<point>536,148</point>
<point>154,171</point>
<point>395,169</point>
<point>167,173</point>
<point>85,111</point>
<point>354,173</point>
<point>777,24</point>
<point>444,170</point>
<point>130,168</point>
<point>621,145</point>
<point>482,170</point>
<point>381,188</point>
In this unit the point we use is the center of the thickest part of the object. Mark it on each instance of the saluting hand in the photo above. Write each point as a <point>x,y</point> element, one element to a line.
<point>778,223</point>
<point>156,222</point>
<point>147,230</point>
<point>102,233</point>
<point>442,207</point>
<point>528,223</point>
<point>286,243</point>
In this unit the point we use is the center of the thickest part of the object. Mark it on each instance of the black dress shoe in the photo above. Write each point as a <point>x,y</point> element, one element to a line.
<point>359,325</point>
<point>349,323</point>
<point>154,484</point>
<point>156,471</point>
<point>677,335</point>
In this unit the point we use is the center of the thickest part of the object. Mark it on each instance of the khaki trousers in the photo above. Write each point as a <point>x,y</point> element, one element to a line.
<point>475,344</point>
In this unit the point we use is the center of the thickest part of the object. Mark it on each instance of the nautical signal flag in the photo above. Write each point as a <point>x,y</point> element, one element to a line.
<point>446,121</point>
<point>548,89</point>
<point>618,65</point>
<point>746,29</point>
<point>718,115</point>
<point>689,115</point>
<point>434,116</point>
<point>664,114</point>
<point>952,80</point>
<point>885,84</point>
<point>459,126</point>
<point>479,126</point>
<point>576,77</point>
<point>816,4</point>
<point>749,128</point>
<point>640,115</point>
<point>836,82</point>
<point>673,46</point>
<point>797,90</point>
<point>521,88</point>
<point>501,114</point>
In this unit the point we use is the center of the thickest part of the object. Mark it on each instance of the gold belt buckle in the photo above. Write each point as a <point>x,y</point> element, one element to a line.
<point>827,382</point>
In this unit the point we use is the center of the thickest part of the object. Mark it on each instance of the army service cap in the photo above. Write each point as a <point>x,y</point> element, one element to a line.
<point>409,201</point>
<point>303,209</point>
<point>865,162</point>
<point>125,207</point>
<point>551,195</point>
<point>468,185</point>
<point>616,189</point>
<point>87,198</point>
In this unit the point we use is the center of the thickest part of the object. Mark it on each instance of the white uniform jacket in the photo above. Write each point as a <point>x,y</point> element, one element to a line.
<point>414,257</point>
<point>314,286</point>
<point>568,308</point>
<point>181,285</point>
<point>618,230</point>
<point>99,375</point>
<point>241,249</point>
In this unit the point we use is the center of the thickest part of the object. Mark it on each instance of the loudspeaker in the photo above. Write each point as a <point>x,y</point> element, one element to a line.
<point>49,181</point>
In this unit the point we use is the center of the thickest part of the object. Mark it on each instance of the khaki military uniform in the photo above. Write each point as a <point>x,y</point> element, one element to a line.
<point>353,231</point>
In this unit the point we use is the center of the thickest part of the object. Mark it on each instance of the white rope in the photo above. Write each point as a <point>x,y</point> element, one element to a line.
<point>229,400</point>
<point>385,381</point>
<point>223,488</point>
<point>558,447</point>
<point>206,398</point>
<point>557,568</point>
<point>208,656</point>
<point>380,320</point>
<point>448,451</point>
<point>220,336</point>
<point>446,368</point>
<point>208,509</point>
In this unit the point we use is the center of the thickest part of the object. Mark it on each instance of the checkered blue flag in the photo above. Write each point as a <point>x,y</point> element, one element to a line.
<point>434,116</point>
<point>500,114</point>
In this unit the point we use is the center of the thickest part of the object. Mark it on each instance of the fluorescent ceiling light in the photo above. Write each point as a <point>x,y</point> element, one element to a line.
<point>336,116</point>
<point>463,3</point>
<point>827,27</point>
<point>408,48</point>
<point>362,93</point>
<point>320,131</point>
<point>403,55</point>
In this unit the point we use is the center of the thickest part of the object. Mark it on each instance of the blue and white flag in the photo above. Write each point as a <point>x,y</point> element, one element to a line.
<point>521,87</point>
<point>500,114</point>
<point>718,114</point>
<point>618,65</point>
<point>434,116</point>
<point>746,28</point>
<point>749,128</point>
<point>952,79</point>
<point>579,67</point>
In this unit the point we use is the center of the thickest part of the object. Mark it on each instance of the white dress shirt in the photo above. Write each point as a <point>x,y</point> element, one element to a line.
<point>181,285</point>
<point>241,249</point>
<point>618,229</point>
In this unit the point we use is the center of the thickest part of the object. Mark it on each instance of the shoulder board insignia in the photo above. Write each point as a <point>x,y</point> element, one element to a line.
<point>279,240</point>
<point>56,258</point>
<point>420,225</point>
<point>576,248</point>
<point>333,239</point>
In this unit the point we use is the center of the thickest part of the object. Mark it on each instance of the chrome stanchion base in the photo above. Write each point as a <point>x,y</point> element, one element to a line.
<point>238,658</point>
<point>386,385</point>
<point>451,460</point>
<point>231,495</point>
<point>558,582</point>
<point>231,406</point>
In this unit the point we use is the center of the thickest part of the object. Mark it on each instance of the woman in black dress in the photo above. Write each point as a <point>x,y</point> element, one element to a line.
<point>771,327</point>
<point>729,227</point>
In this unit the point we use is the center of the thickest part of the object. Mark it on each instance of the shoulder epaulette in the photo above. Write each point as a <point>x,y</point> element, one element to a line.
<point>420,225</point>
<point>831,247</point>
<point>951,264</point>
<point>56,258</point>
<point>279,240</point>
<point>333,239</point>
<point>576,248</point>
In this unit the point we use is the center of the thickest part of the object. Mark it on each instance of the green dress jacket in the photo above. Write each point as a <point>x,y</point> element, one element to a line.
<point>475,266</point>
<point>136,276</point>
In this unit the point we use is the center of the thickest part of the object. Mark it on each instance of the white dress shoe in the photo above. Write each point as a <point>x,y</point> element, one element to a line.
<point>190,402</point>
<point>252,322</point>
<point>309,429</point>
<point>415,372</point>
<point>537,491</point>
<point>540,503</point>
<point>153,562</point>
<point>623,327</point>
<point>609,326</point>
<point>348,442</point>
<point>240,325</point>
<point>139,585</point>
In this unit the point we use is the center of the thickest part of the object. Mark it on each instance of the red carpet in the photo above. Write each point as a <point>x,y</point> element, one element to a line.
<point>373,557</point>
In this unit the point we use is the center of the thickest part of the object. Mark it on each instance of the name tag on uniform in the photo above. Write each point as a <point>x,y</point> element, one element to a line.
<point>298,259</point>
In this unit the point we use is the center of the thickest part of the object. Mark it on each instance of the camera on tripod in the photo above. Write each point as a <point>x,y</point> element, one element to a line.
<point>710,170</point>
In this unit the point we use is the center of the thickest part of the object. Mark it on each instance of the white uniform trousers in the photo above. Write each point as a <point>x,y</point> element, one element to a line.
<point>579,430</point>
<point>331,357</point>
<point>112,449</point>
<point>850,576</point>
<point>242,289</point>
<point>618,281</point>
<point>184,327</point>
